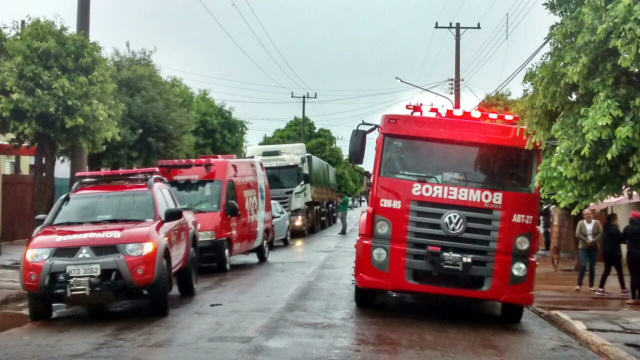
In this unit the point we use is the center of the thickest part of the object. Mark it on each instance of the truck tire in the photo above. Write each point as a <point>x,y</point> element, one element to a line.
<point>263,249</point>
<point>511,313</point>
<point>365,298</point>
<point>311,222</point>
<point>223,263</point>
<point>159,292</point>
<point>187,277</point>
<point>40,308</point>
<point>324,223</point>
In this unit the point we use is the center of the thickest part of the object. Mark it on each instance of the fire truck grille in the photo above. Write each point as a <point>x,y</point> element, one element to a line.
<point>284,199</point>
<point>479,241</point>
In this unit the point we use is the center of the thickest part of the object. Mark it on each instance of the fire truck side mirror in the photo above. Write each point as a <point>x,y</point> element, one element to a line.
<point>357,146</point>
<point>231,208</point>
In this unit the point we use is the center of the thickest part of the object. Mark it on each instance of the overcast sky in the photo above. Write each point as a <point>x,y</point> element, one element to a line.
<point>346,51</point>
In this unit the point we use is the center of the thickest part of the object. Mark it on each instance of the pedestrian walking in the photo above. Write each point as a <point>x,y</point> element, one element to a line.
<point>612,254</point>
<point>589,233</point>
<point>631,235</point>
<point>343,207</point>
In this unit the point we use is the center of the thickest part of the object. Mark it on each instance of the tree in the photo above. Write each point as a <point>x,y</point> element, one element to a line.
<point>57,90</point>
<point>585,93</point>
<point>155,124</point>
<point>290,133</point>
<point>216,130</point>
<point>500,103</point>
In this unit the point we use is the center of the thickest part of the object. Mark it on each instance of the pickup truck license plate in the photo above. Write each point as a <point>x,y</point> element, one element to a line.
<point>83,270</point>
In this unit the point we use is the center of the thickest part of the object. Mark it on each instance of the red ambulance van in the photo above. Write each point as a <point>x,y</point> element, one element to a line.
<point>231,200</point>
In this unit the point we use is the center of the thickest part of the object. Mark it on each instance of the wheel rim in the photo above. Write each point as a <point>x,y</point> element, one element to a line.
<point>227,259</point>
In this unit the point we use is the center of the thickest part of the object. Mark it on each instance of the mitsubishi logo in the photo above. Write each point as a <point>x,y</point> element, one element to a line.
<point>453,223</point>
<point>84,254</point>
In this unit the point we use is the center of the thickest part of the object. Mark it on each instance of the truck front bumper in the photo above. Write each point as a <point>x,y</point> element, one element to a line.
<point>399,277</point>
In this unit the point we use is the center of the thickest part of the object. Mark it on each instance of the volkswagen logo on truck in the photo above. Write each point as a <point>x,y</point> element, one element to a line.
<point>453,223</point>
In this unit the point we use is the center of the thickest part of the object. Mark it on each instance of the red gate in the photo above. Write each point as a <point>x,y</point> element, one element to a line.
<point>17,207</point>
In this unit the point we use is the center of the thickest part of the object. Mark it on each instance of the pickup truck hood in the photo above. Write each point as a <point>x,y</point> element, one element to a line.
<point>98,234</point>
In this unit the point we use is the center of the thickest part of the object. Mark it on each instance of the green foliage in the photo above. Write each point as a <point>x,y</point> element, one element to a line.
<point>216,130</point>
<point>156,122</point>
<point>58,86</point>
<point>585,93</point>
<point>500,103</point>
<point>56,90</point>
<point>320,143</point>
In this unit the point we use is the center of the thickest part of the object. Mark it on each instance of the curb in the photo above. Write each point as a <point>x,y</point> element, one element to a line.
<point>577,330</point>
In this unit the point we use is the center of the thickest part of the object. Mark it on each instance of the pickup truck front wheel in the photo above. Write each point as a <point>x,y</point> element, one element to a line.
<point>40,308</point>
<point>159,292</point>
<point>188,276</point>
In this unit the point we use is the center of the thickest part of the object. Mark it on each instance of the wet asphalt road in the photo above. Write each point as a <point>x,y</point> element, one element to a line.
<point>299,305</point>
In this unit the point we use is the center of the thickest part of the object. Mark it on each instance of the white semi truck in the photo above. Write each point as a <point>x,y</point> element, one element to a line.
<point>302,183</point>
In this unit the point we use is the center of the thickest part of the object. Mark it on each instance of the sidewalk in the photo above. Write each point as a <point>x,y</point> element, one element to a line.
<point>607,325</point>
<point>10,290</point>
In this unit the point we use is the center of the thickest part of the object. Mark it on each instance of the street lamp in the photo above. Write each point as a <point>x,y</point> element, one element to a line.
<point>427,90</point>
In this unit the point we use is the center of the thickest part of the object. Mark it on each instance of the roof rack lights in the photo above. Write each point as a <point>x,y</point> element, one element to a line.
<point>149,175</point>
<point>474,115</point>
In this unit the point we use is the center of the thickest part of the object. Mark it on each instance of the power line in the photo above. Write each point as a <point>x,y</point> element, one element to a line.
<point>261,44</point>
<point>275,47</point>
<point>238,45</point>
<point>492,36</point>
<point>518,70</point>
<point>494,49</point>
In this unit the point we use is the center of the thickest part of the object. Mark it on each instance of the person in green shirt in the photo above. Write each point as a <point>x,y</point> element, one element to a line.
<point>343,207</point>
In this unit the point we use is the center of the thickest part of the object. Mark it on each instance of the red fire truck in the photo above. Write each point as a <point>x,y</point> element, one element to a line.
<point>231,200</point>
<point>453,209</point>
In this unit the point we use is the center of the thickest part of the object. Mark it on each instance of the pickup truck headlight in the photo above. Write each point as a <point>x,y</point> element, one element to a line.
<point>139,249</point>
<point>37,255</point>
<point>206,235</point>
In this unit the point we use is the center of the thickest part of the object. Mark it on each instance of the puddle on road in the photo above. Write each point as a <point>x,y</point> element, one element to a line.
<point>10,320</point>
<point>13,316</point>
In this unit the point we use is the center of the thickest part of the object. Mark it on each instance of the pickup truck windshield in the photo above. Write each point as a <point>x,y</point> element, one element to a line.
<point>106,207</point>
<point>198,196</point>
<point>283,177</point>
<point>459,164</point>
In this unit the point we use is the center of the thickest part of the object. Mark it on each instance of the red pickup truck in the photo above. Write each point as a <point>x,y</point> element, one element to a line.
<point>117,235</point>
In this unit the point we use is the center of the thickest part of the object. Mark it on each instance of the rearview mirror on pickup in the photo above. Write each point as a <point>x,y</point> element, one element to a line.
<point>357,146</point>
<point>171,215</point>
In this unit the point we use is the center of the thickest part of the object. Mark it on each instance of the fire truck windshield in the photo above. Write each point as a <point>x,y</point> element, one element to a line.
<point>198,196</point>
<point>106,207</point>
<point>481,166</point>
<point>283,177</point>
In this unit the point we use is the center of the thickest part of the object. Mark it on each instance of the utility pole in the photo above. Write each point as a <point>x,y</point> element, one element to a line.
<point>16,159</point>
<point>79,153</point>
<point>304,104</point>
<point>457,36</point>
